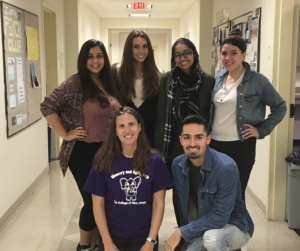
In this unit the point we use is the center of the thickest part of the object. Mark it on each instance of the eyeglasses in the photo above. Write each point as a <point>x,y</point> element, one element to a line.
<point>185,54</point>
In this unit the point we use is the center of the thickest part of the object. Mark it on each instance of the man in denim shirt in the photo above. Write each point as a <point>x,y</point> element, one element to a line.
<point>213,215</point>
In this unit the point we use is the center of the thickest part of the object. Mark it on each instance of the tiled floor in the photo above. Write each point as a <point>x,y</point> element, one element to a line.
<point>48,221</point>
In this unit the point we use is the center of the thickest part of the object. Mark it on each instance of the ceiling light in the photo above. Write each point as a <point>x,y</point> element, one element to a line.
<point>149,6</point>
<point>139,15</point>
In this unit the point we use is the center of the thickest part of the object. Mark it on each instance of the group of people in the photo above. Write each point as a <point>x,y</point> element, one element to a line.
<point>130,132</point>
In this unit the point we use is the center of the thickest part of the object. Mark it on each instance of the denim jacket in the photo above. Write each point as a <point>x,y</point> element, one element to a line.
<point>219,196</point>
<point>253,94</point>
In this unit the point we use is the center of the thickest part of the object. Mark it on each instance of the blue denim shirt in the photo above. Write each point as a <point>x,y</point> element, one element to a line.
<point>219,196</point>
<point>253,94</point>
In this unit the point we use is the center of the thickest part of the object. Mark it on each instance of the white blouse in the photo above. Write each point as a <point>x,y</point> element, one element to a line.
<point>224,123</point>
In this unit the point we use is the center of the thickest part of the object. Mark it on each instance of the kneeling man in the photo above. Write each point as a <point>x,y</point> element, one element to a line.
<point>213,215</point>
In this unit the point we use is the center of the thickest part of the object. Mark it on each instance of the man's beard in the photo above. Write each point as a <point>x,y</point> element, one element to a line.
<point>194,155</point>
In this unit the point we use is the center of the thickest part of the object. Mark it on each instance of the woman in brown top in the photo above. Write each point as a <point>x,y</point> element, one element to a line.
<point>80,111</point>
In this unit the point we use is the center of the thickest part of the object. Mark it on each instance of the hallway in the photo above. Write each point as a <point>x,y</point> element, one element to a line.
<point>48,221</point>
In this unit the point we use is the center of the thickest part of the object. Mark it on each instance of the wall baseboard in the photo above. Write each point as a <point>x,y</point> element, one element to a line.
<point>22,199</point>
<point>259,204</point>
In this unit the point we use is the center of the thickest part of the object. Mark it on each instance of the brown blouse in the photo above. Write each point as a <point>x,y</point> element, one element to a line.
<point>97,120</point>
<point>66,102</point>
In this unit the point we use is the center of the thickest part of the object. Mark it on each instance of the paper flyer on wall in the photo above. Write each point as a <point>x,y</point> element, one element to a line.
<point>21,92</point>
<point>32,43</point>
<point>35,81</point>
<point>249,30</point>
<point>12,101</point>
<point>20,81</point>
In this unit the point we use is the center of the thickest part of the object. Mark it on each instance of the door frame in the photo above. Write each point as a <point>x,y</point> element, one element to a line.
<point>284,71</point>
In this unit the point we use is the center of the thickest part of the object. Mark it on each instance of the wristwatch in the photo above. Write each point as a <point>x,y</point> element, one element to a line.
<point>151,240</point>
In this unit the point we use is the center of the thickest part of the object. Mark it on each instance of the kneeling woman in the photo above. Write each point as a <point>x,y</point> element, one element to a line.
<point>128,183</point>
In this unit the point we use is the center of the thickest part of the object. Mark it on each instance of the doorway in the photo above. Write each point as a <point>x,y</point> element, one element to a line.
<point>296,138</point>
<point>51,72</point>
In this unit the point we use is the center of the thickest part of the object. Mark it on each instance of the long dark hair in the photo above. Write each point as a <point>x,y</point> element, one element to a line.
<point>89,88</point>
<point>127,70</point>
<point>111,149</point>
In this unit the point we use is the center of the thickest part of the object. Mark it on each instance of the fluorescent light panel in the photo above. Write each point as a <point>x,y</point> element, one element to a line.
<point>149,6</point>
<point>139,15</point>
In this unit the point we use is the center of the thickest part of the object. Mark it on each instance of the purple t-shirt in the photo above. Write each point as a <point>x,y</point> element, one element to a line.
<point>128,196</point>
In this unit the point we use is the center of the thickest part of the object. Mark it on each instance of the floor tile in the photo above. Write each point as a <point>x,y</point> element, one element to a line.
<point>48,221</point>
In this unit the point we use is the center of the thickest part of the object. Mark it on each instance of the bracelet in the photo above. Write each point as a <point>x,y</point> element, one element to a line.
<point>151,240</point>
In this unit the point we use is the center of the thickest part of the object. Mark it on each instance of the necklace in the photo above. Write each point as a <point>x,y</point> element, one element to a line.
<point>226,90</point>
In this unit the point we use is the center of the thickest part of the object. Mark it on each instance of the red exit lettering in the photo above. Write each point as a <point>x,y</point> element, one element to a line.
<point>139,5</point>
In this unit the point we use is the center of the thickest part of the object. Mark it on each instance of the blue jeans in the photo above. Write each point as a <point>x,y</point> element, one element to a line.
<point>228,238</point>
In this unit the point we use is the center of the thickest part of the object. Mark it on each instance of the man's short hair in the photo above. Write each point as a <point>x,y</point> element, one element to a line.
<point>195,119</point>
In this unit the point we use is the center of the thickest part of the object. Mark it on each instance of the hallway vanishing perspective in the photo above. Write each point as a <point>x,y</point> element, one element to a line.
<point>48,221</point>
<point>40,208</point>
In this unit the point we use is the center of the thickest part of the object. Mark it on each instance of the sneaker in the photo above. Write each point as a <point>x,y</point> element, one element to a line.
<point>84,248</point>
<point>95,248</point>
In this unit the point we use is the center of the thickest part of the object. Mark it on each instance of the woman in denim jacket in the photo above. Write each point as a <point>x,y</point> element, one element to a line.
<point>238,108</point>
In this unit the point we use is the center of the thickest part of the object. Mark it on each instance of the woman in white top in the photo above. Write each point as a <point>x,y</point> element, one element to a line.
<point>137,79</point>
<point>239,101</point>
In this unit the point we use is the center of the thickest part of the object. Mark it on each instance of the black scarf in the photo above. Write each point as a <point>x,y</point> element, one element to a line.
<point>189,102</point>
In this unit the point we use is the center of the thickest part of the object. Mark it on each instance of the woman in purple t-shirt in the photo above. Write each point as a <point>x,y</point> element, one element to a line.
<point>128,182</point>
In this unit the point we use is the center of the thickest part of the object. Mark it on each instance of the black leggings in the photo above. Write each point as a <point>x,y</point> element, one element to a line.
<point>80,164</point>
<point>134,244</point>
<point>242,152</point>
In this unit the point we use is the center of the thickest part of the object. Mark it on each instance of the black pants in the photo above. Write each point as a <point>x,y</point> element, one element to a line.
<point>242,152</point>
<point>134,244</point>
<point>80,164</point>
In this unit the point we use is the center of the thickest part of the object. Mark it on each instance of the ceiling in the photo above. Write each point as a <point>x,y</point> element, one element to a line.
<point>160,8</point>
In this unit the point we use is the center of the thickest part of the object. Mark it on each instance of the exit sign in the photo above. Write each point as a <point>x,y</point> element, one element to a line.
<point>138,6</point>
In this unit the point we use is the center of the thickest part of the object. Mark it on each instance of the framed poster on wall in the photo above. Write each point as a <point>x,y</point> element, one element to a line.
<point>249,24</point>
<point>219,33</point>
<point>21,63</point>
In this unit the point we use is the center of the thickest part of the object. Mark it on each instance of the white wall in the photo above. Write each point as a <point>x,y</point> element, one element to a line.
<point>115,48</point>
<point>190,23</point>
<point>89,23</point>
<point>136,23</point>
<point>122,39</point>
<point>259,177</point>
<point>71,21</point>
<point>57,6</point>
<point>81,24</point>
<point>23,157</point>
<point>169,49</point>
<point>205,35</point>
<point>164,61</point>
<point>298,47</point>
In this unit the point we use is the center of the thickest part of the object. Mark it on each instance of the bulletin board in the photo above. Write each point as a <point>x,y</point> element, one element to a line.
<point>249,23</point>
<point>219,33</point>
<point>22,72</point>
